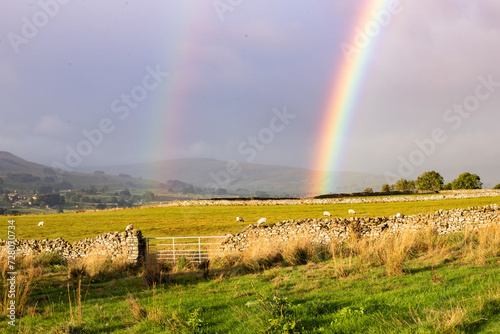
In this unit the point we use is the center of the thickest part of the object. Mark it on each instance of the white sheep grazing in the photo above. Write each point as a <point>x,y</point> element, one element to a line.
<point>352,212</point>
<point>327,214</point>
<point>262,221</point>
<point>239,219</point>
<point>129,227</point>
<point>41,224</point>
<point>398,215</point>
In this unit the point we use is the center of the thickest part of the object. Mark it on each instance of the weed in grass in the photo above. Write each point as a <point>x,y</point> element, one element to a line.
<point>448,320</point>
<point>182,262</point>
<point>436,278</point>
<point>274,314</point>
<point>77,313</point>
<point>138,312</point>
<point>346,314</point>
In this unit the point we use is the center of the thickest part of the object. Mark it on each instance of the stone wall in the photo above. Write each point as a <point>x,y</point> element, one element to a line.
<point>324,231</point>
<point>128,244</point>
<point>452,194</point>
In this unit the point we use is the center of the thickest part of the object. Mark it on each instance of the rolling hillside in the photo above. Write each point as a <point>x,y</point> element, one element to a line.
<point>246,177</point>
<point>19,174</point>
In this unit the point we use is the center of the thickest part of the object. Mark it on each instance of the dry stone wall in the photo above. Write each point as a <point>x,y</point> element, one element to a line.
<point>454,194</point>
<point>325,231</point>
<point>128,244</point>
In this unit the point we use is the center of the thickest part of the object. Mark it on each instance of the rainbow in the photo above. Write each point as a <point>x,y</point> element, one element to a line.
<point>169,103</point>
<point>341,103</point>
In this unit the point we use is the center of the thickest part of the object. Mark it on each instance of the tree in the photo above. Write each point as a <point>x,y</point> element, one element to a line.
<point>404,185</point>
<point>148,196</point>
<point>467,181</point>
<point>92,190</point>
<point>429,181</point>
<point>50,200</point>
<point>125,194</point>
<point>386,188</point>
<point>101,206</point>
<point>368,190</point>
<point>497,186</point>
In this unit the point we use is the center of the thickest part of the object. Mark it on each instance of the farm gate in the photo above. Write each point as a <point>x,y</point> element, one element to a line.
<point>193,249</point>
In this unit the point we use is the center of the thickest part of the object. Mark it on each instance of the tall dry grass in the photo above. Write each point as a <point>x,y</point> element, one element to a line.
<point>155,271</point>
<point>98,266</point>
<point>392,250</point>
<point>262,255</point>
<point>27,268</point>
<point>482,243</point>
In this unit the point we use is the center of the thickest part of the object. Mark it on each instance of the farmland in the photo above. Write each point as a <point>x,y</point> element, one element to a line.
<point>444,284</point>
<point>208,220</point>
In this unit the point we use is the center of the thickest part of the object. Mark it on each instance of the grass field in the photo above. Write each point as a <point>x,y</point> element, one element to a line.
<point>206,220</point>
<point>309,298</point>
<point>437,284</point>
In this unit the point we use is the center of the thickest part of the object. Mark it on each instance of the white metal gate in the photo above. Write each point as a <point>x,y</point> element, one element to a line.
<point>193,249</point>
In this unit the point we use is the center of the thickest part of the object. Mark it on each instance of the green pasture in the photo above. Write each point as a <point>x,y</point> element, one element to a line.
<point>293,299</point>
<point>205,220</point>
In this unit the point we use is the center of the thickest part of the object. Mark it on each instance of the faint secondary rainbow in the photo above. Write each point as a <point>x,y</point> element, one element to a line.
<point>341,102</point>
<point>171,100</point>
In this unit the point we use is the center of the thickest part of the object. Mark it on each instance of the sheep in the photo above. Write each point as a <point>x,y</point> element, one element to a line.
<point>239,219</point>
<point>352,212</point>
<point>129,227</point>
<point>262,221</point>
<point>327,214</point>
<point>398,215</point>
<point>41,223</point>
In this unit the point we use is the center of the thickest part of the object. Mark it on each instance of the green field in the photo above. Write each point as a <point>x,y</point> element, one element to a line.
<point>448,285</point>
<point>206,220</point>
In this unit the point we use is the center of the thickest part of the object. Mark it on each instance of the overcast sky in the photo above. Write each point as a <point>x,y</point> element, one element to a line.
<point>155,80</point>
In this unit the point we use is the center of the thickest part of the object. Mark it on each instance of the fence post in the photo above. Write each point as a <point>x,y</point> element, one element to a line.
<point>199,249</point>
<point>173,249</point>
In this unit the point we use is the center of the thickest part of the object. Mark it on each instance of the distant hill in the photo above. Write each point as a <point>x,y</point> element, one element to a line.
<point>19,174</point>
<point>243,177</point>
<point>9,163</point>
<point>240,178</point>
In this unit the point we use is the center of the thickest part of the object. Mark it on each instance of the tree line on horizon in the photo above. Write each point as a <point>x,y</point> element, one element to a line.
<point>432,180</point>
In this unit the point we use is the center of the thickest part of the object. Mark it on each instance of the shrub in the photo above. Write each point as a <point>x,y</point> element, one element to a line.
<point>49,259</point>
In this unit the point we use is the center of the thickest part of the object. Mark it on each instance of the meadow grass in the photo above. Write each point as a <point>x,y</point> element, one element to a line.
<point>412,282</point>
<point>441,289</point>
<point>206,220</point>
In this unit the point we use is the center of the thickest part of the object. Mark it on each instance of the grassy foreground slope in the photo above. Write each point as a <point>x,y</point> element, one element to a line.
<point>441,290</point>
<point>425,283</point>
<point>206,220</point>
